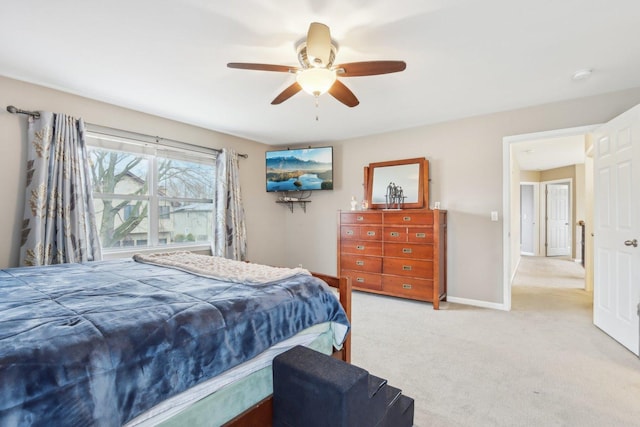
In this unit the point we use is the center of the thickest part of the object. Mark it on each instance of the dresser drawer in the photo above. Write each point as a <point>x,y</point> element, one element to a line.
<point>363,247</point>
<point>364,280</point>
<point>360,217</point>
<point>409,218</point>
<point>408,287</point>
<point>408,267</point>
<point>408,250</point>
<point>394,234</point>
<point>369,264</point>
<point>364,232</point>
<point>408,234</point>
<point>420,235</point>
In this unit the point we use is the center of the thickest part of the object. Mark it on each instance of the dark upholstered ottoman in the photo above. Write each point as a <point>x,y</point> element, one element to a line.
<point>311,389</point>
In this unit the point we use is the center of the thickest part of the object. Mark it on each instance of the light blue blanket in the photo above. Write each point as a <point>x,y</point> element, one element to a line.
<point>99,343</point>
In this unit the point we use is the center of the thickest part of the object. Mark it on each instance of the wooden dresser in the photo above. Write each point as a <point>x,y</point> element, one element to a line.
<point>395,252</point>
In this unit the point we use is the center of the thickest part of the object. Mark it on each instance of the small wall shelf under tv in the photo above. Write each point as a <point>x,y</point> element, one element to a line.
<point>291,203</point>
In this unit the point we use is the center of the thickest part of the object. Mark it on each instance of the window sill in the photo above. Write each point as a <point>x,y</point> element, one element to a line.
<point>204,249</point>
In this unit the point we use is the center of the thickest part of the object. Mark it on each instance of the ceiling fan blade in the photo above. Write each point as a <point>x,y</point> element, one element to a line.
<point>262,67</point>
<point>343,94</point>
<point>369,68</point>
<point>319,44</point>
<point>287,93</point>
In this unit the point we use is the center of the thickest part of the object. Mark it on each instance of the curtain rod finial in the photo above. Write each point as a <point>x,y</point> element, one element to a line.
<point>14,110</point>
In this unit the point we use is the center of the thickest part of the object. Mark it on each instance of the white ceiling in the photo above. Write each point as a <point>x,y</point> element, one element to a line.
<point>550,153</point>
<point>464,58</point>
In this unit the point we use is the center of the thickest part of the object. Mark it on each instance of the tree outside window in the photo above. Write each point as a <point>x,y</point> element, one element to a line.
<point>152,199</point>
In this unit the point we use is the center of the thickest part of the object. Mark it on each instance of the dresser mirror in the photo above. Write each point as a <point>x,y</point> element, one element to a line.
<point>397,184</point>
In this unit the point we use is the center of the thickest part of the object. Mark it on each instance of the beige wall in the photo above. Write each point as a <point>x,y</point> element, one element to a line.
<point>266,242</point>
<point>529,176</point>
<point>465,166</point>
<point>466,169</point>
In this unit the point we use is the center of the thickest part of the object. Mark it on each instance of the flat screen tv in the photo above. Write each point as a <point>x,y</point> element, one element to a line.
<point>300,169</point>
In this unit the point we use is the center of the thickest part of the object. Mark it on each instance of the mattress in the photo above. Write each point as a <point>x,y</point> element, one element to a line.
<point>220,399</point>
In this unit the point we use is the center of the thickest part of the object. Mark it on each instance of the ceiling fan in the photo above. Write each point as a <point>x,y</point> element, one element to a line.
<point>317,74</point>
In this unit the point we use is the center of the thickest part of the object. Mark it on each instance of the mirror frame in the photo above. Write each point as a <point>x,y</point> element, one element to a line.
<point>423,182</point>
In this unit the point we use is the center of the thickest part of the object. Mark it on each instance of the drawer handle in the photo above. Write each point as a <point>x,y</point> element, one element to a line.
<point>406,286</point>
<point>360,247</point>
<point>359,218</point>
<point>359,279</point>
<point>406,218</point>
<point>421,235</point>
<point>360,263</point>
<point>406,267</point>
<point>394,234</point>
<point>406,250</point>
<point>349,232</point>
<point>371,233</point>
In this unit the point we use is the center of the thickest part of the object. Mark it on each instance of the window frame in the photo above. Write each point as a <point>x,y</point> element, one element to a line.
<point>152,148</point>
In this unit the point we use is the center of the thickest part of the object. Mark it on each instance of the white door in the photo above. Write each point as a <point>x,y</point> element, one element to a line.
<point>527,219</point>
<point>558,231</point>
<point>616,292</point>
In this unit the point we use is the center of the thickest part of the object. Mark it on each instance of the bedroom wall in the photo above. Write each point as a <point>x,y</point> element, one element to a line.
<point>265,243</point>
<point>466,177</point>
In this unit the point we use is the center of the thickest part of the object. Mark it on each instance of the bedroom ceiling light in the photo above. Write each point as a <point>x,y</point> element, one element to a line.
<point>316,81</point>
<point>317,72</point>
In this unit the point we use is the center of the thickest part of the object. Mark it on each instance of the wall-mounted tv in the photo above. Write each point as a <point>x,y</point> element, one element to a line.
<point>300,169</point>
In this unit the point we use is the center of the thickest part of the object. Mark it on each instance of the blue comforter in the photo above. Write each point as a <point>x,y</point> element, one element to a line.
<point>99,343</point>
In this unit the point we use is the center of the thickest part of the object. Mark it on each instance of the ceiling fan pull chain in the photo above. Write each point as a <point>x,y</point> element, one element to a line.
<point>317,104</point>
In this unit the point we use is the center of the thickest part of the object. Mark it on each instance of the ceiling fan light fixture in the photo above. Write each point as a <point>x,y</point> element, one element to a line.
<point>316,81</point>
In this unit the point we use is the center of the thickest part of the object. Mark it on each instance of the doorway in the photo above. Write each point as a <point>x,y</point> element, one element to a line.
<point>511,197</point>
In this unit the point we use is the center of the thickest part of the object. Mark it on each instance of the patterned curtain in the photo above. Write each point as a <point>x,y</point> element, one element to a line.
<point>229,233</point>
<point>59,221</point>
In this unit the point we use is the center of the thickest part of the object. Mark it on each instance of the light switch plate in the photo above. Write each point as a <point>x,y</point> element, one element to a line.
<point>494,215</point>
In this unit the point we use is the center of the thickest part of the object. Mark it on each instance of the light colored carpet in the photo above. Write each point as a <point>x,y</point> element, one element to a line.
<point>541,364</point>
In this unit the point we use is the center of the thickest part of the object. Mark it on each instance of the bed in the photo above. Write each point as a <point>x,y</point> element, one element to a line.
<point>109,343</point>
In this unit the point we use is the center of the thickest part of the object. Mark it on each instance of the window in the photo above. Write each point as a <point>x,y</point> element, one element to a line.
<point>164,212</point>
<point>147,194</point>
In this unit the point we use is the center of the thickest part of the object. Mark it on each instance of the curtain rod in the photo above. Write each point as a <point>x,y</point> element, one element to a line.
<point>14,110</point>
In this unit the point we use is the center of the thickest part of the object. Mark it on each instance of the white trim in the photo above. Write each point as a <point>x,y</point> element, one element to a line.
<point>506,195</point>
<point>478,303</point>
<point>155,142</point>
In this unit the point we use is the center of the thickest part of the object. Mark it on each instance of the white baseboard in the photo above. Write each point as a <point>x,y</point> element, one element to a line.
<point>477,303</point>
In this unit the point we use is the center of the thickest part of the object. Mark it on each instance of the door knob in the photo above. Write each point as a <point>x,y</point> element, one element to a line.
<point>633,243</point>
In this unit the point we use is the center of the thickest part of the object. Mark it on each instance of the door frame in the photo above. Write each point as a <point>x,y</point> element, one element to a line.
<point>507,183</point>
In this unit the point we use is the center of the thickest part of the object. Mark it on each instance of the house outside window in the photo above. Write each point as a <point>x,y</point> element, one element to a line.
<point>150,195</point>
